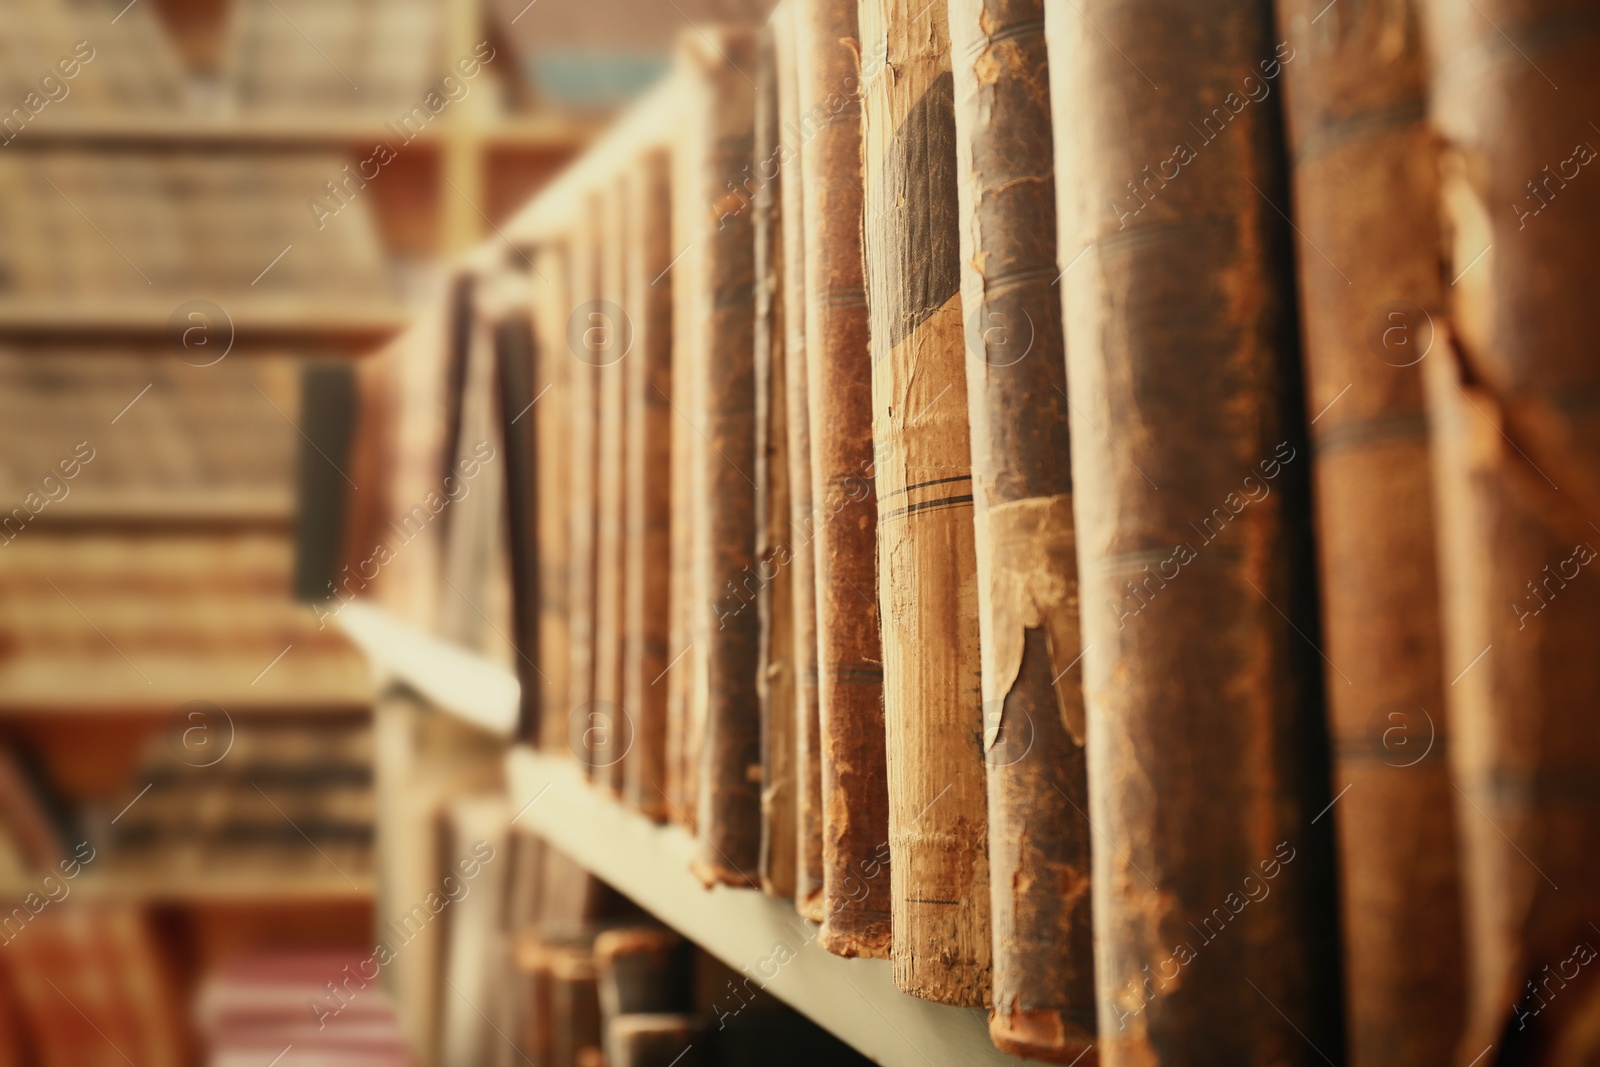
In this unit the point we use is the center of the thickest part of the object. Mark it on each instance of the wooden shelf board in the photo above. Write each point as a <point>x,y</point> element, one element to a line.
<point>358,132</point>
<point>254,320</point>
<point>854,999</point>
<point>211,888</point>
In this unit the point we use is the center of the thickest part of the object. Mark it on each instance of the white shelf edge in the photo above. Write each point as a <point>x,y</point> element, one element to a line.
<point>749,931</point>
<point>453,678</point>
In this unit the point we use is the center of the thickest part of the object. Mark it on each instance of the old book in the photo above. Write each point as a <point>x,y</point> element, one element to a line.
<point>583,289</point>
<point>649,390</point>
<point>641,969</point>
<point>1039,835</point>
<point>802,560</point>
<point>718,144</point>
<point>574,1003</point>
<point>607,725</point>
<point>515,359</point>
<point>855,797</point>
<point>938,822</point>
<point>536,1031</point>
<point>552,416</point>
<point>1509,382</point>
<point>657,1040</point>
<point>1200,674</point>
<point>773,578</point>
<point>1366,197</point>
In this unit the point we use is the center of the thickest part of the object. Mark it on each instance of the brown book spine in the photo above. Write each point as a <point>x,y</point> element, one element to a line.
<point>642,969</point>
<point>721,137</point>
<point>1211,877</point>
<point>773,578</point>
<point>552,415</point>
<point>669,1040</point>
<point>1366,197</point>
<point>514,364</point>
<point>1039,835</point>
<point>855,796</point>
<point>938,821</point>
<point>575,1004</point>
<point>1510,380</point>
<point>648,369</point>
<point>607,726</point>
<point>584,289</point>
<point>802,514</point>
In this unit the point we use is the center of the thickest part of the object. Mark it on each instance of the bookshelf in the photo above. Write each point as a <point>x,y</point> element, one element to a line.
<point>854,999</point>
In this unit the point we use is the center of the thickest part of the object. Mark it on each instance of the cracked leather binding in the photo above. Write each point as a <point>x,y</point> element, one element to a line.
<point>854,779</point>
<point>718,144</point>
<point>1212,883</point>
<point>648,373</point>
<point>1027,564</point>
<point>1512,380</point>
<point>1366,197</point>
<point>938,823</point>
<point>773,592</point>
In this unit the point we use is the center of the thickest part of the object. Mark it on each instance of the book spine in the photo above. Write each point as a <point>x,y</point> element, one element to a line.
<point>1039,835</point>
<point>774,591</point>
<point>552,446</point>
<point>802,514</point>
<point>1200,673</point>
<point>855,796</point>
<point>649,455</point>
<point>728,817</point>
<point>1519,486</point>
<point>606,724</point>
<point>938,822</point>
<point>1366,195</point>
<point>584,289</point>
<point>515,370</point>
<point>656,1040</point>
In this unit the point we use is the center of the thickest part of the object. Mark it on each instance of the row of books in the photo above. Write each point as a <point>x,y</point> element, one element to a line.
<point>1034,482</point>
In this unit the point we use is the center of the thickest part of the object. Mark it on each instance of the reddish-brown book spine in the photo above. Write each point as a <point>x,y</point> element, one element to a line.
<point>553,374</point>
<point>855,796</point>
<point>1365,185</point>
<point>1039,836</point>
<point>584,288</point>
<point>648,370</point>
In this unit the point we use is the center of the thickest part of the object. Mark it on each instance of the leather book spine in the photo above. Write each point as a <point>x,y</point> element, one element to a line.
<point>855,795</point>
<point>802,514</point>
<point>1365,184</point>
<point>553,373</point>
<point>1515,97</point>
<point>927,586</point>
<point>773,592</point>
<point>648,370</point>
<point>608,330</point>
<point>1039,835</point>
<point>584,289</point>
<point>1212,879</point>
<point>720,138</point>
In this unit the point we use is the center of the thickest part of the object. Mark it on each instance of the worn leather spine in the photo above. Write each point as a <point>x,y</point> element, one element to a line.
<point>855,796</point>
<point>722,110</point>
<point>607,726</point>
<point>657,1040</point>
<point>928,596</point>
<point>575,1004</point>
<point>553,371</point>
<point>1365,185</point>
<point>1214,928</point>
<point>1039,836</point>
<point>770,586</point>
<point>515,369</point>
<point>648,374</point>
<point>802,564</point>
<point>1512,384</point>
<point>584,287</point>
